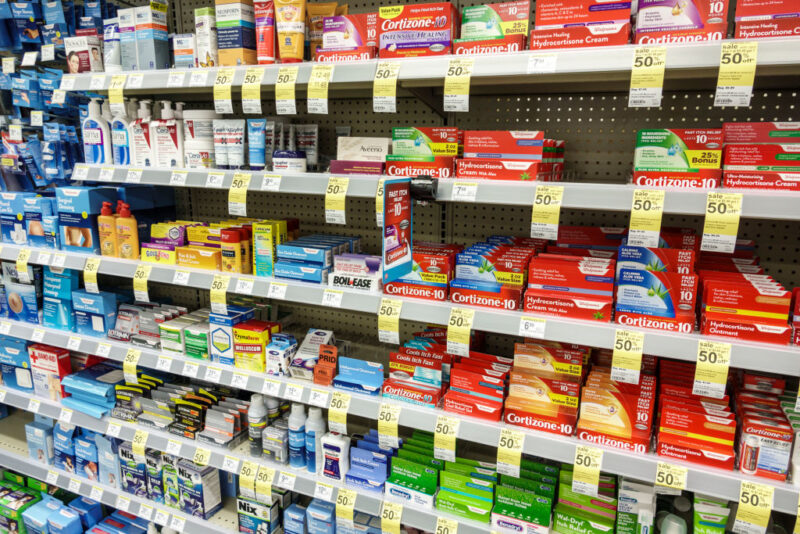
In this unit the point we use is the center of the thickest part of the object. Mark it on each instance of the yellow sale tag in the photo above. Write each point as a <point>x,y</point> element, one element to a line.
<point>222,91</point>
<point>139,442</point>
<point>456,84</point>
<point>391,516</point>
<point>22,265</point>
<point>586,470</point>
<point>647,76</point>
<point>755,506</point>
<point>723,211</point>
<point>384,87</point>
<point>388,418</point>
<point>8,162</point>
<point>671,476</point>
<point>337,412</point>
<point>237,194</point>
<point>446,526</point>
<point>90,269</point>
<point>140,278</point>
<point>737,71</point>
<point>335,196</point>
<point>202,456</point>
<point>317,98</point>
<point>444,437</point>
<point>251,90</point>
<point>647,209</point>
<point>379,203</point>
<point>389,320</point>
<point>284,90</point>
<point>546,211</point>
<point>264,480</point>
<point>345,502</point>
<point>247,479</point>
<point>115,88</point>
<point>219,290</point>
<point>459,327</point>
<point>129,365</point>
<point>509,451</point>
<point>8,65</point>
<point>626,363</point>
<point>711,372</point>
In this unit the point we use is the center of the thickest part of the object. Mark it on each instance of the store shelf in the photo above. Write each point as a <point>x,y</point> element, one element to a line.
<point>764,357</point>
<point>221,458</point>
<point>14,455</point>
<point>612,197</point>
<point>603,64</point>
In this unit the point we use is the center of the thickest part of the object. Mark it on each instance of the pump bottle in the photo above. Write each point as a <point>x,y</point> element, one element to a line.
<point>168,138</point>
<point>127,233</point>
<point>140,138</point>
<point>107,231</point>
<point>96,136</point>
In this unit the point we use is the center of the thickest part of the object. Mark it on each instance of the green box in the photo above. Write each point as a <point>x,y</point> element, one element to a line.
<point>471,471</point>
<point>422,459</point>
<point>513,506</point>
<point>710,514</point>
<point>529,486</point>
<point>602,505</point>
<point>569,520</point>
<point>466,497</point>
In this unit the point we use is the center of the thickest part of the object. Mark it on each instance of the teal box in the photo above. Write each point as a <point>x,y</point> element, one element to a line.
<point>60,283</point>
<point>78,208</point>
<point>95,313</point>
<point>58,313</point>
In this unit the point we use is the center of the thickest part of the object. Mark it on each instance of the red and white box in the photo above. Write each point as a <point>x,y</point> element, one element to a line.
<point>508,44</point>
<point>761,132</point>
<point>350,31</point>
<point>348,55</point>
<point>782,181</point>
<point>544,361</point>
<point>476,383</point>
<point>561,421</point>
<point>765,447</point>
<point>751,298</point>
<point>560,13</point>
<point>709,33</point>
<point>441,167</point>
<point>762,157</point>
<point>414,30</point>
<point>616,419</point>
<point>580,36</point>
<point>497,169</point>
<point>48,366</point>
<point>464,404</point>
<point>759,29</point>
<point>697,437</point>
<point>504,145</point>
<point>694,179</point>
<point>766,9</point>
<point>572,275</point>
<point>562,304</point>
<point>489,295</point>
<point>412,392</point>
<point>746,328</point>
<point>602,237</point>
<point>689,15</point>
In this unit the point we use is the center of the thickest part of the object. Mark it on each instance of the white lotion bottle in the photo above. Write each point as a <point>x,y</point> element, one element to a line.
<point>168,138</point>
<point>142,154</point>
<point>96,136</point>
<point>315,429</point>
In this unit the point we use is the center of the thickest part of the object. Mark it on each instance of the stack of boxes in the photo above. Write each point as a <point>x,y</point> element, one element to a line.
<point>356,271</point>
<point>493,28</point>
<point>57,308</point>
<point>580,23</point>
<point>236,34</point>
<point>762,155</point>
<point>503,155</point>
<point>432,270</point>
<point>415,30</point>
<point>21,297</point>
<point>756,19</point>
<point>576,513</point>
<point>678,158</point>
<point>428,151</point>
<point>349,38</point>
<point>477,385</point>
<point>15,365</point>
<point>310,258</point>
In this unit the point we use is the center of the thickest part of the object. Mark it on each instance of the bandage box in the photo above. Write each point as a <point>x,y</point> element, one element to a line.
<point>78,208</point>
<point>40,442</point>
<point>49,365</point>
<point>95,313</point>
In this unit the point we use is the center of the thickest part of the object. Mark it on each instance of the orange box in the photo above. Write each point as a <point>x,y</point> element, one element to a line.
<point>199,257</point>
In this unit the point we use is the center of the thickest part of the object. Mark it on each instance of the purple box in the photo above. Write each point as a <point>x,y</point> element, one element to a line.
<point>356,167</point>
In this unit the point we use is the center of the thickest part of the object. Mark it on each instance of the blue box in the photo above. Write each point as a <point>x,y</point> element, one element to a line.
<point>301,270</point>
<point>294,519</point>
<point>64,446</point>
<point>36,517</point>
<point>321,517</point>
<point>14,351</point>
<point>199,489</point>
<point>78,208</point>
<point>80,200</point>
<point>34,210</point>
<point>90,512</point>
<point>368,470</point>
<point>138,197</point>
<point>60,283</point>
<point>108,460</point>
<point>257,518</point>
<point>221,332</point>
<point>359,376</point>
<point>58,313</point>
<point>86,457</point>
<point>65,521</point>
<point>132,471</point>
<point>95,313</point>
<point>95,383</point>
<point>12,217</point>
<point>21,302</point>
<point>17,378</point>
<point>314,252</point>
<point>40,442</point>
<point>155,468</point>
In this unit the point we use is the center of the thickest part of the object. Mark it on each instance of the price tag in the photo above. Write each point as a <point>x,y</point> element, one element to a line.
<point>509,451</point>
<point>80,172</point>
<point>96,493</point>
<point>277,290</point>
<point>215,179</point>
<point>446,526</point>
<point>647,76</point>
<point>190,369</point>
<point>97,82</point>
<point>73,343</point>
<point>219,290</point>
<point>671,476</point>
<point>244,286</point>
<point>284,91</point>
<point>379,203</point>
<point>332,298</point>
<point>22,265</point>
<point>271,182</point>
<point>67,83</point>
<point>335,195</point>
<point>66,415</point>
<point>293,392</point>
<point>456,84</point>
<point>5,328</point>
<point>74,485</point>
<point>389,320</point>
<point>586,471</point>
<point>542,63</point>
<point>175,79</point>
<point>323,491</point>
<point>222,91</point>
<point>8,65</point>
<point>161,518</point>
<point>459,327</point>
<point>319,397</point>
<point>3,393</point>
<point>59,96</point>
<point>388,418</point>
<point>59,260</point>
<point>135,81</point>
<point>52,478</point>
<point>106,174</point>
<point>181,278</point>
<point>755,506</point>
<point>646,211</point>
<point>15,132</point>
<point>286,481</point>
<point>239,381</point>
<point>317,98</point>
<point>532,327</point>
<point>103,350</point>
<point>113,429</point>
<point>129,365</point>
<point>391,517</point>
<point>115,97</point>
<point>237,194</point>
<point>626,363</point>
<point>177,523</point>
<point>464,191</point>
<point>247,479</point>
<point>43,258</point>
<point>145,512</point>
<point>178,178</point>
<point>384,87</point>
<point>29,59</point>
<point>272,387</point>
<point>711,372</point>
<point>37,118</point>
<point>721,227</point>
<point>174,447</point>
<point>444,438</point>
<point>737,71</point>
<point>34,405</point>
<point>201,456</point>
<point>264,480</point>
<point>134,176</point>
<point>546,211</point>
<point>213,374</point>
<point>140,278</point>
<point>48,52</point>
<point>139,442</point>
<point>123,503</point>
<point>251,90</point>
<point>198,78</point>
<point>90,269</point>
<point>164,363</point>
<point>337,412</point>
<point>230,464</point>
<point>345,502</point>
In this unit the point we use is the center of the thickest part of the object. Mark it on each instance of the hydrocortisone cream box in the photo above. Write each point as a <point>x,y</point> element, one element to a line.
<point>561,13</point>
<point>773,27</point>
<point>668,299</point>
<point>418,141</point>
<point>473,47</point>
<point>761,132</point>
<point>495,21</point>
<point>765,9</point>
<point>350,31</point>
<point>417,29</point>
<point>671,260</point>
<point>497,169</point>
<point>664,15</point>
<point>580,36</point>
<point>678,149</point>
<point>762,157</point>
<point>509,145</point>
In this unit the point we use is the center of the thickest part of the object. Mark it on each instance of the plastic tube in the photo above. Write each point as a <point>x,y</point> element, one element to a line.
<point>256,143</point>
<point>265,31</point>
<point>290,18</point>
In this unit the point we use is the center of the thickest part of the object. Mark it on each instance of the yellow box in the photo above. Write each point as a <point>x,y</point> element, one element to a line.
<point>199,257</point>
<point>203,235</point>
<point>166,231</point>
<point>249,345</point>
<point>157,255</point>
<point>231,57</point>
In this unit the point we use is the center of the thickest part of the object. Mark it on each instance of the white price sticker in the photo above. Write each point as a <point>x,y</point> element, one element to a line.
<point>286,481</point>
<point>164,363</point>
<point>37,118</point>
<point>244,286</point>
<point>323,491</point>
<point>239,381</point>
<point>293,392</point>
<point>80,172</point>
<point>178,178</point>
<point>319,397</point>
<point>74,343</point>
<point>277,290</point>
<point>213,374</point>
<point>113,429</point>
<point>67,83</point>
<point>271,387</point>
<point>66,415</point>
<point>48,52</point>
<point>34,405</point>
<point>465,191</point>
<point>215,179</point>
<point>59,260</point>
<point>97,82</point>
<point>161,518</point>
<point>103,350</point>
<point>271,182</point>
<point>123,503</point>
<point>190,369</point>
<point>176,79</point>
<point>106,174</point>
<point>134,176</point>
<point>198,78</point>
<point>181,278</point>
<point>177,523</point>
<point>29,58</point>
<point>74,485</point>
<point>38,335</point>
<point>52,478</point>
<point>135,81</point>
<point>146,512</point>
<point>5,328</point>
<point>96,494</point>
<point>230,464</point>
<point>542,63</point>
<point>332,298</point>
<point>174,447</point>
<point>44,258</point>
